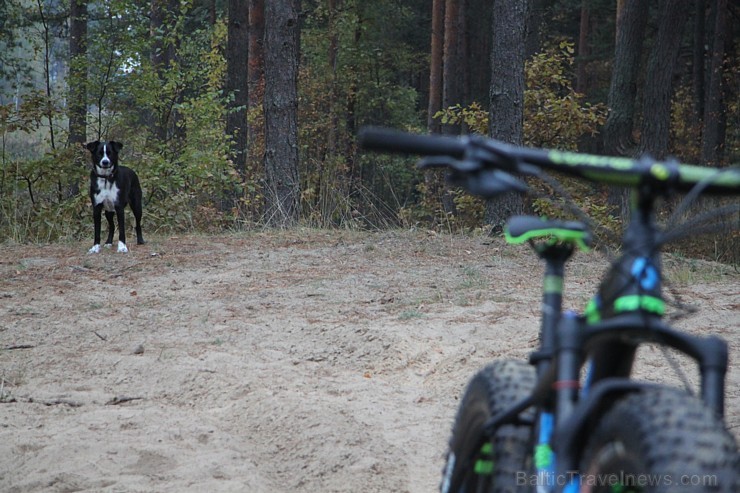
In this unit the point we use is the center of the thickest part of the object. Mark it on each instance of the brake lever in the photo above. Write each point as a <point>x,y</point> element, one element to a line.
<point>487,183</point>
<point>455,165</point>
<point>474,174</point>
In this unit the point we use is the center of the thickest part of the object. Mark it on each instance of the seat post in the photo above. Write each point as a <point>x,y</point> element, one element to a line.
<point>554,241</point>
<point>555,257</point>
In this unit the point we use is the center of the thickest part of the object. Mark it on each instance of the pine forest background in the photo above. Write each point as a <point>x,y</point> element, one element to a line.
<point>244,113</point>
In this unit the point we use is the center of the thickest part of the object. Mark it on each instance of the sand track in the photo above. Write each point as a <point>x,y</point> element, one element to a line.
<point>287,361</point>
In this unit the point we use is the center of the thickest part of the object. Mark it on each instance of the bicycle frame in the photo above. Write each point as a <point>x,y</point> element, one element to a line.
<point>625,313</point>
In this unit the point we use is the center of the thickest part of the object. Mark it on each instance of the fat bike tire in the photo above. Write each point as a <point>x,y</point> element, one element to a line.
<point>660,440</point>
<point>504,464</point>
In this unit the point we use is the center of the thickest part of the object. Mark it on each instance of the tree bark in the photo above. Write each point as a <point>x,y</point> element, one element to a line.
<point>256,87</point>
<point>237,50</point>
<point>212,17</point>
<point>255,70</point>
<point>656,106</point>
<point>630,26</point>
<point>452,62</point>
<point>507,93</point>
<point>332,52</point>
<point>282,35</point>
<point>711,142</point>
<point>535,23</point>
<point>433,180</point>
<point>698,61</point>
<point>584,49</point>
<point>162,17</point>
<point>435,65</point>
<point>77,71</point>
<point>631,22</point>
<point>453,58</point>
<point>77,84</point>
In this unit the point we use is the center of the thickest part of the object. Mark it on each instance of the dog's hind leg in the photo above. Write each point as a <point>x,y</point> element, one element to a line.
<point>111,228</point>
<point>137,216</point>
<point>135,200</point>
<point>139,236</point>
<point>121,230</point>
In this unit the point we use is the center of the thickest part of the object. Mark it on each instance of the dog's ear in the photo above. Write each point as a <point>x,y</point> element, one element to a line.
<point>92,145</point>
<point>117,146</point>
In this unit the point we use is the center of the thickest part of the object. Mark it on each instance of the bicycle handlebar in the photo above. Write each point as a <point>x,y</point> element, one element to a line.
<point>388,140</point>
<point>489,154</point>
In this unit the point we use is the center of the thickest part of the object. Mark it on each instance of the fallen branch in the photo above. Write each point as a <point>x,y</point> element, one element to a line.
<point>57,402</point>
<point>121,399</point>
<point>19,346</point>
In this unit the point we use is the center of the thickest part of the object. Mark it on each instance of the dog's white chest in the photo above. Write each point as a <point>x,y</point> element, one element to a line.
<point>107,194</point>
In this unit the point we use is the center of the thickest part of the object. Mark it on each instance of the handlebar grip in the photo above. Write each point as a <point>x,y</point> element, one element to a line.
<point>382,139</point>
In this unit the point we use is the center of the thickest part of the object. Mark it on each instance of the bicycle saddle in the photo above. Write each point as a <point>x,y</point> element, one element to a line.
<point>524,228</point>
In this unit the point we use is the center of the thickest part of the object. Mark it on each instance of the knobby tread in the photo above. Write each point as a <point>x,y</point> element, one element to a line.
<point>492,390</point>
<point>666,437</point>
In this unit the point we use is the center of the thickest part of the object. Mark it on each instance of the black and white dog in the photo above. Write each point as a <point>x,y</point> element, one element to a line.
<point>112,187</point>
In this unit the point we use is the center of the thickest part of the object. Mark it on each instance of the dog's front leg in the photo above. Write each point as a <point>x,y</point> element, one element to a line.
<point>121,230</point>
<point>97,219</point>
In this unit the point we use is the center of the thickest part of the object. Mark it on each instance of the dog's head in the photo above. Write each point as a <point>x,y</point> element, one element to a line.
<point>104,156</point>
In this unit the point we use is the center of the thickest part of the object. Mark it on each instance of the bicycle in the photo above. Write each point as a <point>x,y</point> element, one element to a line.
<point>540,425</point>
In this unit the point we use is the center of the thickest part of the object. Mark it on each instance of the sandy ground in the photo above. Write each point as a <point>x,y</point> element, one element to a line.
<point>307,361</point>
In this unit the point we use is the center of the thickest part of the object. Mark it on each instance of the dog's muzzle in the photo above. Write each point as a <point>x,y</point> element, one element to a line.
<point>104,167</point>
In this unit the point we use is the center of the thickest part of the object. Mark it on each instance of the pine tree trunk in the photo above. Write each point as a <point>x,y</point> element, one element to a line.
<point>698,61</point>
<point>255,71</point>
<point>77,82</point>
<point>451,59</point>
<point>584,50</point>
<point>631,22</point>
<point>237,50</point>
<point>433,180</point>
<point>162,17</point>
<point>282,36</point>
<point>507,93</point>
<point>332,52</point>
<point>656,106</point>
<point>212,17</point>
<point>77,71</point>
<point>711,141</point>
<point>256,90</point>
<point>435,66</point>
<point>452,84</point>
<point>535,27</point>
